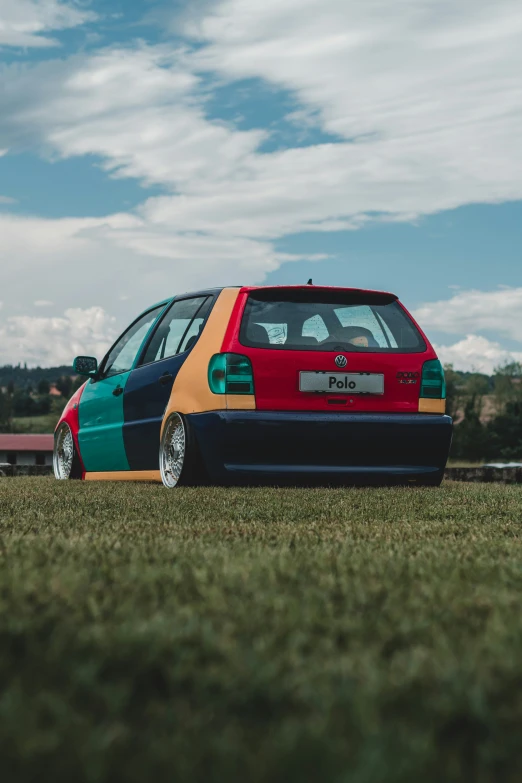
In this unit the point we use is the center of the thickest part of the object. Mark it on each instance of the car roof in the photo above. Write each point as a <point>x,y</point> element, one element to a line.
<point>321,288</point>
<point>188,294</point>
<point>307,287</point>
<point>248,288</point>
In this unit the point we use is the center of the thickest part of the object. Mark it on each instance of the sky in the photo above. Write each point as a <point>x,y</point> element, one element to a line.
<point>152,147</point>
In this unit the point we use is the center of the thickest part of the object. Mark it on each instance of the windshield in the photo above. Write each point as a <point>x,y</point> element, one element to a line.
<point>338,322</point>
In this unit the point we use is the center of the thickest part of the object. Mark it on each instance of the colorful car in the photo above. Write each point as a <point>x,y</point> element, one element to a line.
<point>272,384</point>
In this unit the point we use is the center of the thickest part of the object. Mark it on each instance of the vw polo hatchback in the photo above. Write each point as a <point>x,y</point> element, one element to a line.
<point>270,384</point>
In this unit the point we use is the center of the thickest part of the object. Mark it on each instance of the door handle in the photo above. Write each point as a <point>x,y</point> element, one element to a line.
<point>118,390</point>
<point>166,378</point>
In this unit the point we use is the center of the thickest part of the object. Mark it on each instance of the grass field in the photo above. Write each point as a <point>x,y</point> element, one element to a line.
<point>344,635</point>
<point>36,424</point>
<point>41,424</point>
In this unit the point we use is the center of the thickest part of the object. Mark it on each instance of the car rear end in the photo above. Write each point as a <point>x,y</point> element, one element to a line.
<point>343,386</point>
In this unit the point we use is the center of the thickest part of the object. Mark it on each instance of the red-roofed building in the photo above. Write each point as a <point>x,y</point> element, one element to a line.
<point>26,449</point>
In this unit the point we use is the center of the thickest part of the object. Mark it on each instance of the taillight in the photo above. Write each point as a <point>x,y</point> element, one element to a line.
<point>433,383</point>
<point>230,373</point>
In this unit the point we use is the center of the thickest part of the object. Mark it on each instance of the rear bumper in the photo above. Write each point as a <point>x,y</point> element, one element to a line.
<point>245,446</point>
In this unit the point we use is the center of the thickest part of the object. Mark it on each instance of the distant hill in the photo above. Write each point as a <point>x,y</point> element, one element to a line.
<point>22,376</point>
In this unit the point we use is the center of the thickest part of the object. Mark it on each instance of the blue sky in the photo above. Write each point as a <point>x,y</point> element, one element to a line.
<point>153,147</point>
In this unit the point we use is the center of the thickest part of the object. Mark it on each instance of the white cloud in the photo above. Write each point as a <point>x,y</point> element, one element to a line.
<point>425,100</point>
<point>43,303</point>
<point>476,354</point>
<point>423,95</point>
<point>121,263</point>
<point>154,131</point>
<point>371,67</point>
<point>427,91</point>
<point>135,107</point>
<point>467,312</point>
<point>7,200</point>
<point>56,341</point>
<point>23,22</point>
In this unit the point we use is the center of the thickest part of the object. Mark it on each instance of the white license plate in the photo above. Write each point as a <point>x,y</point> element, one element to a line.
<point>341,382</point>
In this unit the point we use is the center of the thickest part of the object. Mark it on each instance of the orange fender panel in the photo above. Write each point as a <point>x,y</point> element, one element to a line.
<point>191,392</point>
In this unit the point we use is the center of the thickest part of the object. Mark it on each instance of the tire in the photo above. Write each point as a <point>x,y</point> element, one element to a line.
<point>178,454</point>
<point>66,462</point>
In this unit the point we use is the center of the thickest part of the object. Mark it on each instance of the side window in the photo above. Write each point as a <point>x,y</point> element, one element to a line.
<point>178,330</point>
<point>122,354</point>
<point>196,327</point>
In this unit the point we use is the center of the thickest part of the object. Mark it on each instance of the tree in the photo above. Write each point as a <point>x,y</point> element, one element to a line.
<point>453,390</point>
<point>20,402</point>
<point>469,436</point>
<point>78,381</point>
<point>505,433</point>
<point>476,388</point>
<point>64,385</point>
<point>508,384</point>
<point>5,412</point>
<point>25,404</point>
<point>42,405</point>
<point>44,387</point>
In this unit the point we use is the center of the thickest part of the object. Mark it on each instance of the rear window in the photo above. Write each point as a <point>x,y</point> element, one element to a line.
<point>328,321</point>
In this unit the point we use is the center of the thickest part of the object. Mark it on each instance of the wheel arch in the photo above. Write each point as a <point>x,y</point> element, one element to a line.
<point>71,416</point>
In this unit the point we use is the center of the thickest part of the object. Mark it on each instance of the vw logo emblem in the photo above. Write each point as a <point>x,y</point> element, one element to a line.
<point>341,361</point>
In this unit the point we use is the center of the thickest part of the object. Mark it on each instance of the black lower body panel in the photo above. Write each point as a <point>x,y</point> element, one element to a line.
<point>280,447</point>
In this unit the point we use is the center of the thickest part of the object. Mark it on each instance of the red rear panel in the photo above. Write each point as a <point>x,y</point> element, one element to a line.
<point>70,415</point>
<point>277,369</point>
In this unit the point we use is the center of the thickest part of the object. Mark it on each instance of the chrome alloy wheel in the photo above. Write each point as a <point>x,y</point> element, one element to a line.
<point>63,453</point>
<point>172,451</point>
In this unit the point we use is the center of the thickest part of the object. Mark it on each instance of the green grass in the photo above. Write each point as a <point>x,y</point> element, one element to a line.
<point>41,424</point>
<point>282,635</point>
<point>36,424</point>
<point>463,463</point>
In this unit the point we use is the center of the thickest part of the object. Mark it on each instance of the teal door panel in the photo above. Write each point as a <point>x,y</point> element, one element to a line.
<point>101,425</point>
<point>101,412</point>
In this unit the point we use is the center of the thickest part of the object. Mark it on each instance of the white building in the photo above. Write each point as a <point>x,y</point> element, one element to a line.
<point>26,449</point>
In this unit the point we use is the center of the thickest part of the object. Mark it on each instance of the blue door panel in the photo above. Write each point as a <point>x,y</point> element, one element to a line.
<point>147,393</point>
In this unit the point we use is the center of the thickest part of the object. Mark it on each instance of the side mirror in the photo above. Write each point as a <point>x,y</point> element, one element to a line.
<point>86,365</point>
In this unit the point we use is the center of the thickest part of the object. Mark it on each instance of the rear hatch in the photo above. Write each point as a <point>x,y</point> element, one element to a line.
<point>325,349</point>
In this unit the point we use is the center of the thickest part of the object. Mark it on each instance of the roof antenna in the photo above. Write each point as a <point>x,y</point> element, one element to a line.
<point>310,282</point>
